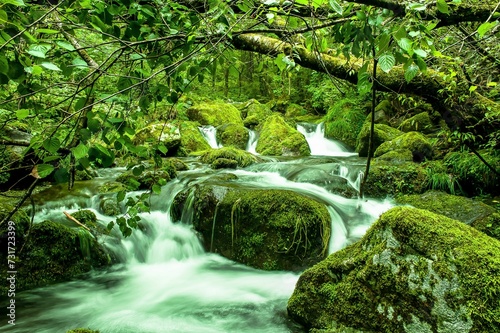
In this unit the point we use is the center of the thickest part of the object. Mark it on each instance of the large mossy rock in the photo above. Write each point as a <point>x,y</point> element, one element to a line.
<point>255,113</point>
<point>388,178</point>
<point>228,157</point>
<point>266,229</point>
<point>415,142</point>
<point>143,176</point>
<point>192,140</point>
<point>278,138</point>
<point>459,208</point>
<point>232,135</point>
<point>56,253</point>
<point>413,271</point>
<point>418,123</point>
<point>381,134</point>
<point>215,114</point>
<point>165,133</point>
<point>344,120</point>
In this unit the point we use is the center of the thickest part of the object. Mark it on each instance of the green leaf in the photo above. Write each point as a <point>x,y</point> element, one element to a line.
<point>22,113</point>
<point>3,17</point>
<point>52,145</point>
<point>383,42</point>
<point>19,3</point>
<point>137,170</point>
<point>65,45</point>
<point>411,72</point>
<point>472,88</point>
<point>405,44</point>
<point>485,27</point>
<point>336,7</point>
<point>80,151</point>
<point>417,6</point>
<point>38,50</point>
<point>420,53</point>
<point>47,31</point>
<point>50,66</point>
<point>156,189</point>
<point>162,149</point>
<point>79,63</point>
<point>103,150</point>
<point>120,196</point>
<point>4,64</point>
<point>43,170</point>
<point>386,61</point>
<point>442,6</point>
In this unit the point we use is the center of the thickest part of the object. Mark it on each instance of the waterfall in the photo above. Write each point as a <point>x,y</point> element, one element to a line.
<point>252,141</point>
<point>209,133</point>
<point>315,136</point>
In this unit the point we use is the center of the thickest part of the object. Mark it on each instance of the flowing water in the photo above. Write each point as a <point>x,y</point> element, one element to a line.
<point>166,282</point>
<point>208,133</point>
<point>315,136</point>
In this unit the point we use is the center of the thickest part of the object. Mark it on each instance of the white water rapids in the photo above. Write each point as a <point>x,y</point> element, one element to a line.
<point>167,283</point>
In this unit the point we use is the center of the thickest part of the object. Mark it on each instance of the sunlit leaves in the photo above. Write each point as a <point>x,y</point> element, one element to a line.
<point>19,3</point>
<point>52,145</point>
<point>442,6</point>
<point>485,27</point>
<point>411,72</point>
<point>80,151</point>
<point>336,7</point>
<point>386,61</point>
<point>50,66</point>
<point>39,50</point>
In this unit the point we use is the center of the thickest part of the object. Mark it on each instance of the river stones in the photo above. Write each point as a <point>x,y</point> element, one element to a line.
<point>414,271</point>
<point>381,134</point>
<point>277,138</point>
<point>266,229</point>
<point>215,114</point>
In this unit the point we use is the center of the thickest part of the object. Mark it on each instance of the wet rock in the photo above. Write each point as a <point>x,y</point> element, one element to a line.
<point>266,229</point>
<point>413,271</point>
<point>232,135</point>
<point>228,157</point>
<point>191,139</point>
<point>418,123</point>
<point>167,134</point>
<point>215,114</point>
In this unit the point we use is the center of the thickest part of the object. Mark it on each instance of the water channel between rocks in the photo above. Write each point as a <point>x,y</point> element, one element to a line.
<point>168,283</point>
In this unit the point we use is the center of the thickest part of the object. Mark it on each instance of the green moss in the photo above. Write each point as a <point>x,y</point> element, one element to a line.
<point>412,269</point>
<point>389,178</point>
<point>418,123</point>
<point>55,253</point>
<point>397,156</point>
<point>344,120</point>
<point>294,110</point>
<point>267,229</point>
<point>417,143</point>
<point>139,178</point>
<point>82,330</point>
<point>112,187</point>
<point>86,217</point>
<point>215,114</point>
<point>447,204</point>
<point>167,134</point>
<point>490,225</point>
<point>233,135</point>
<point>255,113</point>
<point>381,134</point>
<point>220,157</point>
<point>279,138</point>
<point>191,139</point>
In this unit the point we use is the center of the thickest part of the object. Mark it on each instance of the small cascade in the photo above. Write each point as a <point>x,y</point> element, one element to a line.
<point>252,142</point>
<point>209,133</point>
<point>321,146</point>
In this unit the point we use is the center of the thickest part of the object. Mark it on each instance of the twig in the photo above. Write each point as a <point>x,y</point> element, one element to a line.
<point>68,215</point>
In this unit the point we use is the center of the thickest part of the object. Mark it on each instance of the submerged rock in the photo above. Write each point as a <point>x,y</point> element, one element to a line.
<point>413,271</point>
<point>266,229</point>
<point>278,138</point>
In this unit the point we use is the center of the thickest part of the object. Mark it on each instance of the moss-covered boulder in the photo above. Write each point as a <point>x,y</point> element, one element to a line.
<point>55,253</point>
<point>344,120</point>
<point>220,158</point>
<point>232,135</point>
<point>455,207</point>
<point>418,123</point>
<point>387,178</point>
<point>397,156</point>
<point>167,134</point>
<point>215,114</point>
<point>279,138</point>
<point>191,139</point>
<point>417,143</point>
<point>381,134</point>
<point>266,229</point>
<point>413,271</point>
<point>255,113</point>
